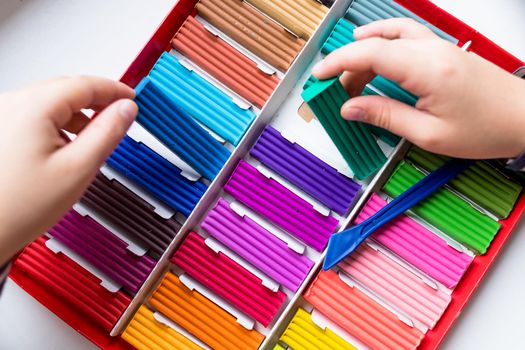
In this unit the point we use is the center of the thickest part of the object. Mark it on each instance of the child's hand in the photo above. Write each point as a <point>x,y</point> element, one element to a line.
<point>42,175</point>
<point>468,107</point>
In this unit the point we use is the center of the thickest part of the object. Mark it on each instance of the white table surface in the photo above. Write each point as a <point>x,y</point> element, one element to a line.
<point>44,38</point>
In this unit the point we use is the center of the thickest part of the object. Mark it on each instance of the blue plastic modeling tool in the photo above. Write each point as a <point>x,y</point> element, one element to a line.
<point>344,243</point>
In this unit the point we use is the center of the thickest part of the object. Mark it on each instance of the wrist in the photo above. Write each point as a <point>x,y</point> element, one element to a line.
<point>7,248</point>
<point>517,128</point>
<point>11,238</point>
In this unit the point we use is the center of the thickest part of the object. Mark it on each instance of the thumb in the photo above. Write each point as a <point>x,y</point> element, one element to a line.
<point>386,113</point>
<point>99,138</point>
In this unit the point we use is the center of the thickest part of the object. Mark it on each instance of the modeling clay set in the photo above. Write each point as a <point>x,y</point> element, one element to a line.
<point>208,226</point>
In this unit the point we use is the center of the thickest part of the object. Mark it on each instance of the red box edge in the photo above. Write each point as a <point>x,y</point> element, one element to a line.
<point>144,61</point>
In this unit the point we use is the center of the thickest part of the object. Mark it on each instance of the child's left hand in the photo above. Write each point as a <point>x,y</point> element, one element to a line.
<point>42,174</point>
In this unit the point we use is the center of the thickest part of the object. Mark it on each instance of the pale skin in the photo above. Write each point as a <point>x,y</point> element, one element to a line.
<point>42,174</point>
<point>467,108</point>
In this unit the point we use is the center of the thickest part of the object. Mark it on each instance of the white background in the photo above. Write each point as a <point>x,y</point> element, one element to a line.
<point>44,38</point>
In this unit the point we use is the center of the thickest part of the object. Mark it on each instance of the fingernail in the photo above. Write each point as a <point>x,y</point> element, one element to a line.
<point>353,113</point>
<point>128,110</point>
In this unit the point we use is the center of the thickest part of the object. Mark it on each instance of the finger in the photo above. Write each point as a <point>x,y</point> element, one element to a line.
<point>89,91</point>
<point>394,28</point>
<point>99,138</point>
<point>354,83</point>
<point>64,97</point>
<point>43,84</point>
<point>400,60</point>
<point>77,123</point>
<point>392,115</point>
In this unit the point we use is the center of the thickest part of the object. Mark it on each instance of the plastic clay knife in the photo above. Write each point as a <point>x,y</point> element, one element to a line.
<point>344,243</point>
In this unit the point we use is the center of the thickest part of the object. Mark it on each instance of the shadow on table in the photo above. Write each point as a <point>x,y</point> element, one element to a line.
<point>9,7</point>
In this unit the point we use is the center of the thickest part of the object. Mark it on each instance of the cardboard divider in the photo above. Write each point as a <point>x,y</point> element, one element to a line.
<point>267,113</point>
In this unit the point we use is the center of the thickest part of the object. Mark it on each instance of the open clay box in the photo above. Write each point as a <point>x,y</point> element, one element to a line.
<point>207,226</point>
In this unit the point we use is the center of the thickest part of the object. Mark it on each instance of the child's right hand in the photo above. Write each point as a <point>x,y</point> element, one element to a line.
<point>468,107</point>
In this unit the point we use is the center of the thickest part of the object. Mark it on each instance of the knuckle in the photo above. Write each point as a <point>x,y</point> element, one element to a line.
<point>447,65</point>
<point>383,116</point>
<point>408,25</point>
<point>53,82</point>
<point>376,42</point>
<point>447,70</point>
<point>428,139</point>
<point>80,81</point>
<point>376,46</point>
<point>392,32</point>
<point>81,88</point>
<point>407,21</point>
